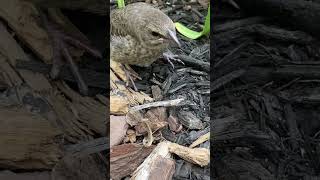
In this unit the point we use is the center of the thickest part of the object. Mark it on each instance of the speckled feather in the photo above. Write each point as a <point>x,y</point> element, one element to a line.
<point>131,39</point>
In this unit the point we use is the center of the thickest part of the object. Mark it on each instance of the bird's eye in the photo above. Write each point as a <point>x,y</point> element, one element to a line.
<point>155,34</point>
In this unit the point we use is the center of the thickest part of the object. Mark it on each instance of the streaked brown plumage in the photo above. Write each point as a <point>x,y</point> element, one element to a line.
<point>140,33</point>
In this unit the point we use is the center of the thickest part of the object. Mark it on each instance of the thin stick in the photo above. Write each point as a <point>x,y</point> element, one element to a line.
<point>175,102</point>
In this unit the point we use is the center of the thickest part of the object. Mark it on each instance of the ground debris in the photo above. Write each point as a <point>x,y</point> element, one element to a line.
<point>265,91</point>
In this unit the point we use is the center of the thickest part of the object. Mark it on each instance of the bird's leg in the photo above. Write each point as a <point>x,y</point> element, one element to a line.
<point>169,56</point>
<point>128,74</point>
<point>61,42</point>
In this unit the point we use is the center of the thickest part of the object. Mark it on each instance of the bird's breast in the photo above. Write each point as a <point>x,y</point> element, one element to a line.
<point>135,53</point>
<point>144,56</point>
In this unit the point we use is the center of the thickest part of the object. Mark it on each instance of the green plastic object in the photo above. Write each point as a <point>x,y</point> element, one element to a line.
<point>194,34</point>
<point>121,3</point>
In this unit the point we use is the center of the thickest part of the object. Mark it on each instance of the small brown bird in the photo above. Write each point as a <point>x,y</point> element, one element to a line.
<point>140,34</point>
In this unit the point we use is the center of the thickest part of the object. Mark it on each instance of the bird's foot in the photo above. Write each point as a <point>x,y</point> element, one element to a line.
<point>169,56</point>
<point>61,43</point>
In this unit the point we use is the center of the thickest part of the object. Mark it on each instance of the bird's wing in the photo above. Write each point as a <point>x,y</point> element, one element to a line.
<point>119,24</point>
<point>122,48</point>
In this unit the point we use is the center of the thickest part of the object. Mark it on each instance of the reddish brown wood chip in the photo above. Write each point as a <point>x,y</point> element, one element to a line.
<point>118,129</point>
<point>125,158</point>
<point>162,169</point>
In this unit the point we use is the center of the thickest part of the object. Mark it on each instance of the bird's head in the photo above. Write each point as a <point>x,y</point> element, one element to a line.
<point>160,33</point>
<point>155,28</point>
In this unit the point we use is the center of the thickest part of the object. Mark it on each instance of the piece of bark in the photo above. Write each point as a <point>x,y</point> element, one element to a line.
<point>12,50</point>
<point>28,141</point>
<point>189,120</point>
<point>87,110</point>
<point>237,24</point>
<point>294,71</point>
<point>134,118</point>
<point>8,175</point>
<point>118,105</point>
<point>118,70</point>
<point>162,169</point>
<point>235,165</point>
<point>166,103</point>
<point>297,37</point>
<point>8,74</point>
<point>103,99</point>
<point>118,129</point>
<point>200,140</point>
<point>78,168</point>
<point>21,16</point>
<point>9,52</point>
<point>118,79</point>
<point>143,172</point>
<point>156,93</point>
<point>199,156</point>
<point>222,81</point>
<point>292,126</point>
<point>9,46</point>
<point>134,98</point>
<point>231,55</point>
<point>53,107</point>
<point>67,117</point>
<point>125,158</point>
<point>88,147</point>
<point>131,136</point>
<point>90,77</point>
<point>157,120</point>
<point>299,13</point>
<point>159,112</point>
<point>194,135</point>
<point>35,80</point>
<point>188,60</point>
<point>173,123</point>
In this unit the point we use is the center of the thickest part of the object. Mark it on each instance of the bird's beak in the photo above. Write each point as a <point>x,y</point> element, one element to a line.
<point>174,37</point>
